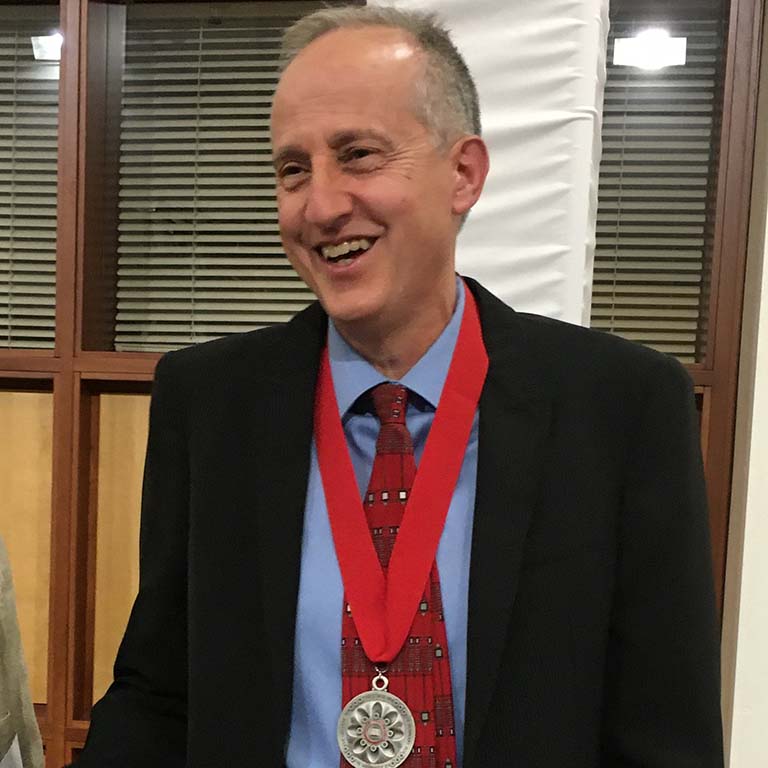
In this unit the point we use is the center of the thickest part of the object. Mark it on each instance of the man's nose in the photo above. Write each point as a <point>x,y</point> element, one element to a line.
<point>328,201</point>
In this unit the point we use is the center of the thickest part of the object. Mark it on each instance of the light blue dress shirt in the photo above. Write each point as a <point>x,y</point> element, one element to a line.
<point>317,651</point>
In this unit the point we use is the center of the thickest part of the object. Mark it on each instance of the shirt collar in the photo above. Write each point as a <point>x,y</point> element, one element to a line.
<point>353,375</point>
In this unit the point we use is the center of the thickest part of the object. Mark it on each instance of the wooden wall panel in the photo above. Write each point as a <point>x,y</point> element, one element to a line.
<point>122,445</point>
<point>25,519</point>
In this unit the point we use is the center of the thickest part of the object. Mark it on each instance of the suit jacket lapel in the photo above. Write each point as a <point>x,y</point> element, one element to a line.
<point>284,456</point>
<point>514,420</point>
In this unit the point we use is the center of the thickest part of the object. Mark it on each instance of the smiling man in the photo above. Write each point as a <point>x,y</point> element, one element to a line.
<point>412,526</point>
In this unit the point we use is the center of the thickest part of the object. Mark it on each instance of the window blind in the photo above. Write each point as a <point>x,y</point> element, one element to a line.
<point>656,195</point>
<point>199,252</point>
<point>28,171</point>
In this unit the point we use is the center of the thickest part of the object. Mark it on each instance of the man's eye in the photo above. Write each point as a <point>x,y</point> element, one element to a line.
<point>356,153</point>
<point>291,175</point>
<point>289,170</point>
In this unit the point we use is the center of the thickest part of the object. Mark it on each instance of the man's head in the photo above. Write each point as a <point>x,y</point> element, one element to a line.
<point>445,95</point>
<point>375,170</point>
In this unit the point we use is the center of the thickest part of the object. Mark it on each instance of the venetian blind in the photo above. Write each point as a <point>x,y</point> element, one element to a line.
<point>660,138</point>
<point>199,252</point>
<point>28,146</point>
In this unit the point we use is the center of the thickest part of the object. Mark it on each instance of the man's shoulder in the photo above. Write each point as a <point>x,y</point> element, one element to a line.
<point>568,341</point>
<point>561,351</point>
<point>265,350</point>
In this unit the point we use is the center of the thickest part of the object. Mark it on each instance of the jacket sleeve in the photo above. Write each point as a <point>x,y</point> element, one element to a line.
<point>662,704</point>
<point>141,721</point>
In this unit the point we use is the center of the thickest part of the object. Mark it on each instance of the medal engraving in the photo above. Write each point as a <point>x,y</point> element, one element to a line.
<point>376,729</point>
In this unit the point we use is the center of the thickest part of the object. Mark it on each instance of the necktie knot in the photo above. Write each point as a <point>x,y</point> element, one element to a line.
<point>390,402</point>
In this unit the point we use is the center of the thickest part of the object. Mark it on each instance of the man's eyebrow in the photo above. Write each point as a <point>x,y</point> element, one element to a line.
<point>342,138</point>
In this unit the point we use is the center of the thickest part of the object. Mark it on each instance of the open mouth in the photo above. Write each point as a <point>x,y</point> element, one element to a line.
<point>345,252</point>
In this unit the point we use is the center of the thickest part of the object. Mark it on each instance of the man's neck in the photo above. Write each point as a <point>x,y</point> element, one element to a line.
<point>394,350</point>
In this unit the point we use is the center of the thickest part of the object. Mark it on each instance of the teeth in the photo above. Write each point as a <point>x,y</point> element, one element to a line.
<point>348,246</point>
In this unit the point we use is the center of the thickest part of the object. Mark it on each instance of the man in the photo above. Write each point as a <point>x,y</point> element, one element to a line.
<point>542,597</point>
<point>20,745</point>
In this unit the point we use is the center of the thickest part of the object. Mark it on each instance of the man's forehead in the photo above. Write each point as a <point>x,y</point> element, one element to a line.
<point>352,49</point>
<point>366,35</point>
<point>345,76</point>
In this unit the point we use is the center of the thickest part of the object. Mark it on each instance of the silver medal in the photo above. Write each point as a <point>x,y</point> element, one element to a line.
<point>376,728</point>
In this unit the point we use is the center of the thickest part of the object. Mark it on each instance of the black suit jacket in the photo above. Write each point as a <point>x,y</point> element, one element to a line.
<point>592,633</point>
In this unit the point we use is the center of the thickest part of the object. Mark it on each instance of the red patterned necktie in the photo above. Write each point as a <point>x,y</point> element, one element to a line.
<point>420,673</point>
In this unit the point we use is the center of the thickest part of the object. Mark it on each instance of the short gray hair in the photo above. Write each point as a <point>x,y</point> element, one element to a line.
<point>447,98</point>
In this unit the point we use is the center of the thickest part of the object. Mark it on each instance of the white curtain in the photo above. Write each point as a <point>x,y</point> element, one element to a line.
<point>539,66</point>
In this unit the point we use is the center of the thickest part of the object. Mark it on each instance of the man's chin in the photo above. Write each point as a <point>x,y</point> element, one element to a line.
<point>349,316</point>
<point>353,312</point>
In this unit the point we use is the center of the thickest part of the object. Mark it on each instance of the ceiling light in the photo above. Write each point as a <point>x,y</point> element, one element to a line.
<point>47,47</point>
<point>650,49</point>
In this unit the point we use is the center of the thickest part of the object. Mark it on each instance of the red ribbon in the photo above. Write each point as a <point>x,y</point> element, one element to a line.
<point>383,606</point>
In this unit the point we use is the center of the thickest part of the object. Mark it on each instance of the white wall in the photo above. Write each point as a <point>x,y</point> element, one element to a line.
<point>745,623</point>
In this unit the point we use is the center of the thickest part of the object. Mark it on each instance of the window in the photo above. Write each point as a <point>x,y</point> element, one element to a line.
<point>658,176</point>
<point>29,90</point>
<point>198,247</point>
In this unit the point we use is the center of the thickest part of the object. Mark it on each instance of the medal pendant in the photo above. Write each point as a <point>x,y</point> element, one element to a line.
<point>376,728</point>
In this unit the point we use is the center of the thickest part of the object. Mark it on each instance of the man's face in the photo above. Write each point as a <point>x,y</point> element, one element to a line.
<point>366,200</point>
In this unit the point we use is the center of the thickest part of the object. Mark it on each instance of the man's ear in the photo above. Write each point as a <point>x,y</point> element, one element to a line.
<point>470,166</point>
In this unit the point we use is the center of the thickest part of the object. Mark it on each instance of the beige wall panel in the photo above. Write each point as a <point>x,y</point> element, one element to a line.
<point>26,421</point>
<point>122,445</point>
